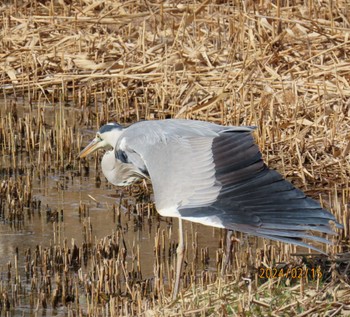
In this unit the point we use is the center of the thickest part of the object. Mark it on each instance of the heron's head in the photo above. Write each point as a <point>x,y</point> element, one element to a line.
<point>107,136</point>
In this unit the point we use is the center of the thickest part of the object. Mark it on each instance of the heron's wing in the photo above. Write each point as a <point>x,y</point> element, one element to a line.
<point>216,176</point>
<point>177,156</point>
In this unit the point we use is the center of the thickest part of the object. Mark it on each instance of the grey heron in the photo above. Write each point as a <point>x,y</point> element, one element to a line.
<point>213,175</point>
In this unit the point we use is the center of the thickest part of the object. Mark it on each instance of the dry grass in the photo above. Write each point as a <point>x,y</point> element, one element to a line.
<point>282,66</point>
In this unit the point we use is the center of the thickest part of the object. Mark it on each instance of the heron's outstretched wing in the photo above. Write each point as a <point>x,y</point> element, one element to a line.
<point>215,175</point>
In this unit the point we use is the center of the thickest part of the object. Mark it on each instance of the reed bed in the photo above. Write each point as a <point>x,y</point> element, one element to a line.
<point>68,67</point>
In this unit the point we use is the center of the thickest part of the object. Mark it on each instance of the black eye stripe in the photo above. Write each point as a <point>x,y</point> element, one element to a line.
<point>109,127</point>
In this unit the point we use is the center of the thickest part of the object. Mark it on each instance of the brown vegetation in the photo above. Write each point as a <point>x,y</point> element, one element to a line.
<point>281,65</point>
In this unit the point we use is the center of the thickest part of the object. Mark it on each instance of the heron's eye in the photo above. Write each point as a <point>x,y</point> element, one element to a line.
<point>98,136</point>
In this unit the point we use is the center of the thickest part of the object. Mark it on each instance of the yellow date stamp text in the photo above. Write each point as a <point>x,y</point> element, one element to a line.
<point>313,273</point>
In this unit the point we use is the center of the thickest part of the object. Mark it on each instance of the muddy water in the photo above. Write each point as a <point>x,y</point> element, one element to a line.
<point>56,193</point>
<point>64,192</point>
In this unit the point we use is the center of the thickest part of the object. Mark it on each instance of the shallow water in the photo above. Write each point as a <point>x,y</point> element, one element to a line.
<point>64,193</point>
<point>38,229</point>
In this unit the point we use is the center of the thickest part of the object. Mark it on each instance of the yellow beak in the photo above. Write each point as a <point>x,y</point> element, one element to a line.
<point>90,148</point>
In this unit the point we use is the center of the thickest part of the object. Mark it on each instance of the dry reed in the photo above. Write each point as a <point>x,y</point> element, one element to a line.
<point>70,66</point>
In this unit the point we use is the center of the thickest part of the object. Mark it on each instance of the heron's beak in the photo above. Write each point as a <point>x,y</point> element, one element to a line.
<point>94,145</point>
